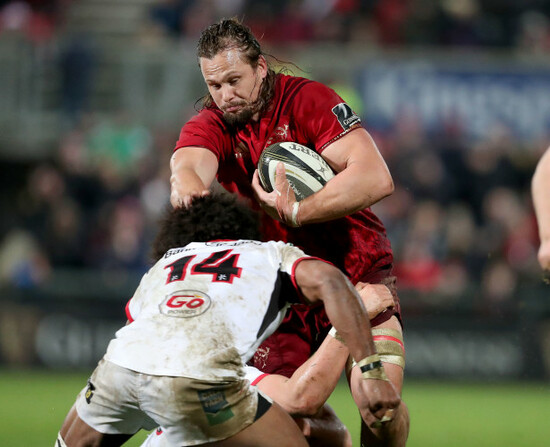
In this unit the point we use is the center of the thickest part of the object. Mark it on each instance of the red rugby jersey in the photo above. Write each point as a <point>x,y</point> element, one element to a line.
<point>312,114</point>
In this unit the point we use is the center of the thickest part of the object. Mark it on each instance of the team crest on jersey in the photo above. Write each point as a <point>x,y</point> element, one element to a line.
<point>260,357</point>
<point>185,304</point>
<point>279,134</point>
<point>346,117</point>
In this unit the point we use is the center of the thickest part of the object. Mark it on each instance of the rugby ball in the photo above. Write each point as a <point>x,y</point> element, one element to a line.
<point>306,171</point>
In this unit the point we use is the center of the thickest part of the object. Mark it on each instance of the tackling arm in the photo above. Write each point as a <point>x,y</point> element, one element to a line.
<point>320,281</point>
<point>193,170</point>
<point>310,386</point>
<point>540,189</point>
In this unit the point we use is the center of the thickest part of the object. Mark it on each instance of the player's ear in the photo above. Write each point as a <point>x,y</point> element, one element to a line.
<point>261,68</point>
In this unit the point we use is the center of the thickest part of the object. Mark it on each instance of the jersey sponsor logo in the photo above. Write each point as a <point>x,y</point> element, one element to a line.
<point>89,392</point>
<point>346,117</point>
<point>185,304</point>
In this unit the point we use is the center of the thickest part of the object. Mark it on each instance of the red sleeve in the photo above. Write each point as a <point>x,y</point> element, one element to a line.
<point>206,129</point>
<point>321,115</point>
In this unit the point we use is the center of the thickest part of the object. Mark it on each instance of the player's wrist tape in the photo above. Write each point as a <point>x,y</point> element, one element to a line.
<point>334,333</point>
<point>389,346</point>
<point>372,368</point>
<point>294,216</point>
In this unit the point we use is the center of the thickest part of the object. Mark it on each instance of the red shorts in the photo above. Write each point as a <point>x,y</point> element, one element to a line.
<point>304,329</point>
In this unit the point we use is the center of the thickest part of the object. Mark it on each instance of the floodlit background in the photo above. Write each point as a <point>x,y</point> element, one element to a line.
<point>456,94</point>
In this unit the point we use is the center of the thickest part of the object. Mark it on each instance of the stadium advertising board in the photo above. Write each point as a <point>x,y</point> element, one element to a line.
<point>446,347</point>
<point>477,97</point>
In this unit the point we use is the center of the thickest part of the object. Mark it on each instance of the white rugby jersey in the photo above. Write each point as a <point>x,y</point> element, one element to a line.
<point>203,310</point>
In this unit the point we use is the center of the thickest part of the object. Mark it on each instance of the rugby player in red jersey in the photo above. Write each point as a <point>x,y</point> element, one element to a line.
<point>249,107</point>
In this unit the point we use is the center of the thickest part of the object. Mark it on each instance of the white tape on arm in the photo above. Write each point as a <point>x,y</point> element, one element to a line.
<point>294,217</point>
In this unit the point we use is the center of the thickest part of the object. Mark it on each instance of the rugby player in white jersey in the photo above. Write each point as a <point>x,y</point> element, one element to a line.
<point>197,317</point>
<point>304,394</point>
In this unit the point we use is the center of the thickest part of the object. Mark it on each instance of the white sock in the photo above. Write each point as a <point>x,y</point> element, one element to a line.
<point>60,442</point>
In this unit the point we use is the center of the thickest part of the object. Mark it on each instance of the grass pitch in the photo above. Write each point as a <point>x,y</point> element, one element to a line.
<point>34,403</point>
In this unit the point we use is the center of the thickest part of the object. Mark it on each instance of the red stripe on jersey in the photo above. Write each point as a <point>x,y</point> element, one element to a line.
<point>257,379</point>
<point>389,337</point>
<point>127,309</point>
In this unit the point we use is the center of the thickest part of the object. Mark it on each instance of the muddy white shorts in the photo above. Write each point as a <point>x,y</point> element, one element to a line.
<point>117,400</point>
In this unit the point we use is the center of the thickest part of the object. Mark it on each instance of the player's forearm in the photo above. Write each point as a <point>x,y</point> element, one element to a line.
<point>348,316</point>
<point>350,191</point>
<point>312,383</point>
<point>320,281</point>
<point>192,172</point>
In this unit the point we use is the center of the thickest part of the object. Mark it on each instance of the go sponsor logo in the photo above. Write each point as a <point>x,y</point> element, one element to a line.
<point>185,304</point>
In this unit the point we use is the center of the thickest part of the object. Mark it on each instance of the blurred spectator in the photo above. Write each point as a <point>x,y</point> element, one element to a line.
<point>116,147</point>
<point>498,289</point>
<point>460,23</point>
<point>23,264</point>
<point>168,15</point>
<point>37,20</point>
<point>123,243</point>
<point>186,18</point>
<point>533,32</point>
<point>64,234</point>
<point>77,62</point>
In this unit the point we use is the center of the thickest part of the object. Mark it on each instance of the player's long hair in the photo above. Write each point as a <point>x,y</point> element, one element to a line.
<point>231,33</point>
<point>213,217</point>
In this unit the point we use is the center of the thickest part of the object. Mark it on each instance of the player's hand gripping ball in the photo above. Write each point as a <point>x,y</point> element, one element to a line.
<point>306,171</point>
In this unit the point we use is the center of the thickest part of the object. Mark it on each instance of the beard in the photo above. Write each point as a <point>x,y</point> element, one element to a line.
<point>240,118</point>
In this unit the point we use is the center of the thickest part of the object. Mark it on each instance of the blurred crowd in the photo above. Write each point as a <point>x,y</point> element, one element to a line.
<point>460,220</point>
<point>94,205</point>
<point>38,20</point>
<point>508,24</point>
<point>387,23</point>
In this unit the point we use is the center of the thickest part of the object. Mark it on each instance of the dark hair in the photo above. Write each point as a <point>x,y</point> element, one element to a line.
<point>212,217</point>
<point>231,33</point>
